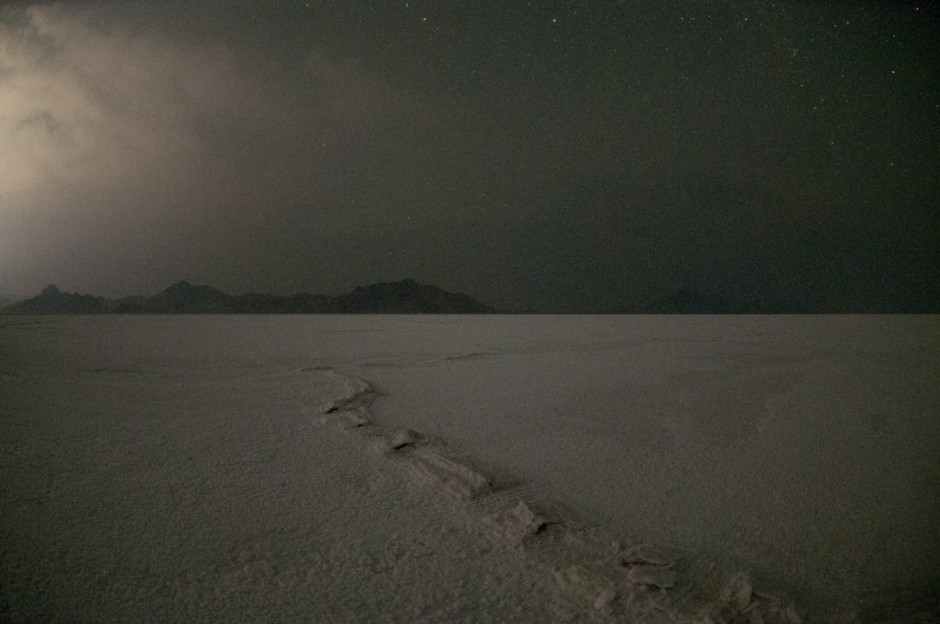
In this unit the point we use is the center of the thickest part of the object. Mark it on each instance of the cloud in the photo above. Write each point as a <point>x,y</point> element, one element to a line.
<point>118,145</point>
<point>91,105</point>
<point>122,140</point>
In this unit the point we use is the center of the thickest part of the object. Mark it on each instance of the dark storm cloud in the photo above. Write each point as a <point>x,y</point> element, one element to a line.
<point>552,155</point>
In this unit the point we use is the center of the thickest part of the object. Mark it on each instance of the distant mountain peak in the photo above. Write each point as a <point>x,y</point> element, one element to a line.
<point>183,286</point>
<point>53,301</point>
<point>405,297</point>
<point>183,297</point>
<point>404,284</point>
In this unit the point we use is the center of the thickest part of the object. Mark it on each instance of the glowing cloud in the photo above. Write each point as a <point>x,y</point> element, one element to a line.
<point>93,105</point>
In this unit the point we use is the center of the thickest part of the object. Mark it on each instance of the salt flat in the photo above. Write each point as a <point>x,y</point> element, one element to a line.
<point>192,468</point>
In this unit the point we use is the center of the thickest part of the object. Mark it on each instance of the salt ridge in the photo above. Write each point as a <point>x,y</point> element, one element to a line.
<point>619,582</point>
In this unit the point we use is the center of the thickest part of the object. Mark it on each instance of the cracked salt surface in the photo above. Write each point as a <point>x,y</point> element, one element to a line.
<point>491,469</point>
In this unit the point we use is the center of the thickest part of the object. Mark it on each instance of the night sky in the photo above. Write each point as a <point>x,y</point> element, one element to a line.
<point>559,156</point>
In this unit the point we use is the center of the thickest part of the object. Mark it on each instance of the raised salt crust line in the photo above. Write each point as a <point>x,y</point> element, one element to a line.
<point>639,582</point>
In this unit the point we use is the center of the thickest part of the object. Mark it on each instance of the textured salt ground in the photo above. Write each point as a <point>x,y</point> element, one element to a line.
<point>622,582</point>
<point>809,458</point>
<point>205,493</point>
<point>610,581</point>
<point>234,368</point>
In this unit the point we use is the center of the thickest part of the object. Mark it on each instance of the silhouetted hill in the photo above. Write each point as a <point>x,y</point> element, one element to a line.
<point>183,297</point>
<point>404,297</point>
<point>53,301</point>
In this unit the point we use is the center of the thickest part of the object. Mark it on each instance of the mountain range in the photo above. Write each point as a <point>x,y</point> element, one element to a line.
<point>403,297</point>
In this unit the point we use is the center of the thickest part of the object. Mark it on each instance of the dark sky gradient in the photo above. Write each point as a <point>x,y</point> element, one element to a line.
<point>563,156</point>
